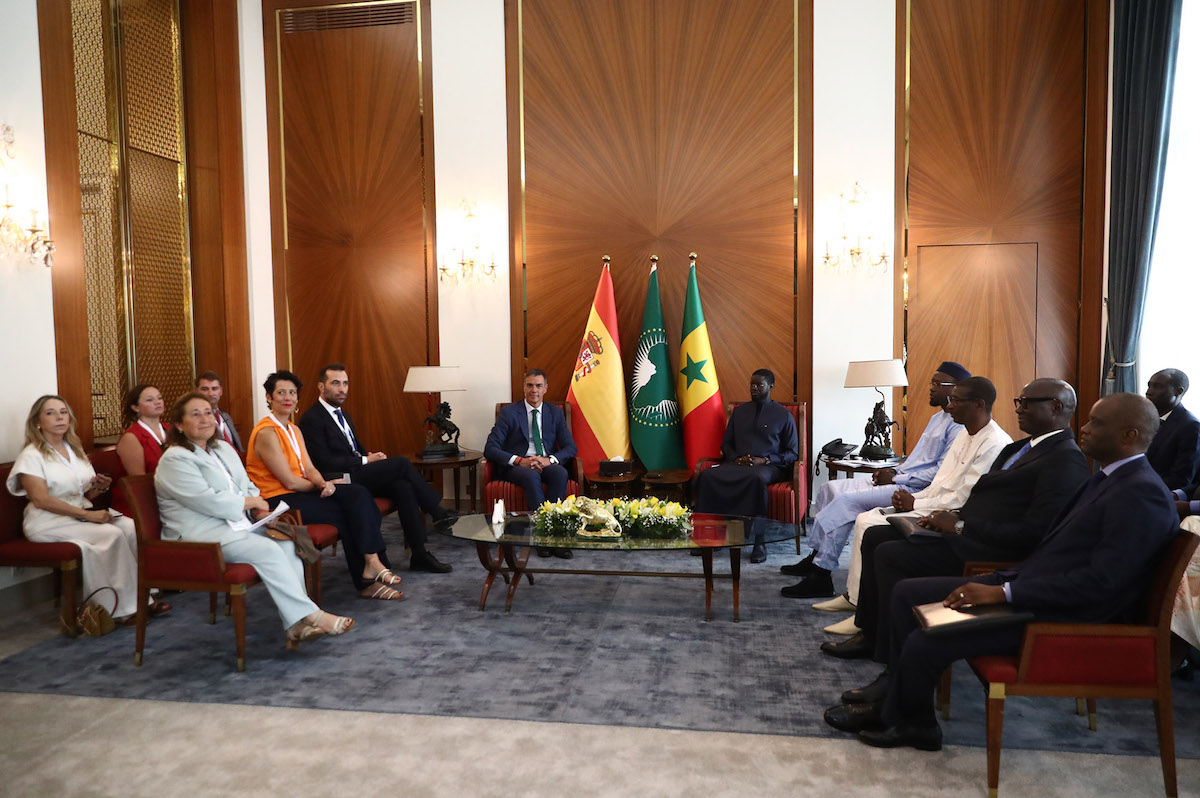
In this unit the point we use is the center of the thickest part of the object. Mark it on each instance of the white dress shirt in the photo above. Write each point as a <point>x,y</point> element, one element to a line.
<point>530,451</point>
<point>345,430</point>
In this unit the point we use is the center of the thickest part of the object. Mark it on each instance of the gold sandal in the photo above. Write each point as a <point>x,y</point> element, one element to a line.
<point>386,577</point>
<point>340,626</point>
<point>382,592</point>
<point>307,632</point>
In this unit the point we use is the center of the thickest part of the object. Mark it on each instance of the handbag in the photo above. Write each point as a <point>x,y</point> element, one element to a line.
<point>94,620</point>
<point>288,527</point>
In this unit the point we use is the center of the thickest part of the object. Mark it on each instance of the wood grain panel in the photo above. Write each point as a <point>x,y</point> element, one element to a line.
<point>996,131</point>
<point>216,200</point>
<point>661,127</point>
<point>68,282</point>
<point>355,270</point>
<point>973,304</point>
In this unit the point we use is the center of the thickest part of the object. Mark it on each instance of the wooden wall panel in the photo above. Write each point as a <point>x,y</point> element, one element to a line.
<point>996,126</point>
<point>350,218</point>
<point>975,304</point>
<point>660,127</point>
<point>216,200</point>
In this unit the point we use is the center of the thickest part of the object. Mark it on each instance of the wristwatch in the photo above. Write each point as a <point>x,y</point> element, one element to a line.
<point>958,526</point>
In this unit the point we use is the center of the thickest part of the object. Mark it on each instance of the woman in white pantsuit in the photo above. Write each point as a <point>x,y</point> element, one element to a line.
<point>204,495</point>
<point>56,475</point>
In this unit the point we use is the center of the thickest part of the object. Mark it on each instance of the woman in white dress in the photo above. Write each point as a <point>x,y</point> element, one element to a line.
<point>53,471</point>
<point>204,495</point>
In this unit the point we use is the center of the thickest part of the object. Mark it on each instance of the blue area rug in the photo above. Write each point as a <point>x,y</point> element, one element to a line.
<point>580,649</point>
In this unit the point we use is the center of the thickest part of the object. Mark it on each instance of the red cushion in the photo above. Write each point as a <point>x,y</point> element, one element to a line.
<point>781,502</point>
<point>385,506</point>
<point>1079,659</point>
<point>514,495</point>
<point>18,551</point>
<point>322,534</point>
<point>237,573</point>
<point>166,563</point>
<point>994,669</point>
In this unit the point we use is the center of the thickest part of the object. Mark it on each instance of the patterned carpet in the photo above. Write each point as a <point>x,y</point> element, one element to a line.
<point>624,651</point>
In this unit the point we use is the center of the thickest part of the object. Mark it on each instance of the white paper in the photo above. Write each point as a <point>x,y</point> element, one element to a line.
<point>243,524</point>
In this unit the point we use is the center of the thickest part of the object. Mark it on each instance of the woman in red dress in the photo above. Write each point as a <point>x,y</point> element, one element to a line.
<point>141,446</point>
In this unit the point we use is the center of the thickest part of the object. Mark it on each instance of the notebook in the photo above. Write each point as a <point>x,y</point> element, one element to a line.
<point>938,620</point>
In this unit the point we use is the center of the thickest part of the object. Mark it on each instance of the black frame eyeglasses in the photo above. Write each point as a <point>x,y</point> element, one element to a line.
<point>1022,402</point>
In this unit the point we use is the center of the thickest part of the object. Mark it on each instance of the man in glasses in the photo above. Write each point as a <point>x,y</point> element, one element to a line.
<point>1009,510</point>
<point>839,501</point>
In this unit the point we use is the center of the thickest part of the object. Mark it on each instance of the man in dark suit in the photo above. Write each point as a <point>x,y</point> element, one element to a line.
<point>529,446</point>
<point>335,449</point>
<point>209,384</point>
<point>1091,567</point>
<point>1009,510</point>
<point>1175,451</point>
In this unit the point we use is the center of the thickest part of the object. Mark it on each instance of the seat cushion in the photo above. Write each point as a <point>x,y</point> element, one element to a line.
<point>995,669</point>
<point>322,534</point>
<point>237,573</point>
<point>16,552</point>
<point>385,506</point>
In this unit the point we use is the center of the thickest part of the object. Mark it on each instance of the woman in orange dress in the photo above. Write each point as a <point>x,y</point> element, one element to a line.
<point>278,463</point>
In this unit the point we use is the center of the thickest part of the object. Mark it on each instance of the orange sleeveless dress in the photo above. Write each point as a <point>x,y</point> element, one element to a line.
<point>268,485</point>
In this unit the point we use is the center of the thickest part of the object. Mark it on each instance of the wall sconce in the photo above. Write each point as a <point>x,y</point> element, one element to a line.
<point>855,247</point>
<point>466,263</point>
<point>17,241</point>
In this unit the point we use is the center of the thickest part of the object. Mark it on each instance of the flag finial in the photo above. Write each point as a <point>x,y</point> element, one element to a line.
<point>606,260</point>
<point>692,257</point>
<point>654,259</point>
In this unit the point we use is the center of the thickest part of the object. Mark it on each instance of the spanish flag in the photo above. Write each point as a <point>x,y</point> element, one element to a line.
<point>599,415</point>
<point>696,383</point>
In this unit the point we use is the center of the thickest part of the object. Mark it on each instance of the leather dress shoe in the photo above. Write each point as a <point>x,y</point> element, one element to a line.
<point>802,568</point>
<point>872,693</point>
<point>929,739</point>
<point>854,717</point>
<point>856,647</point>
<point>562,554</point>
<point>816,585</point>
<point>542,551</point>
<point>758,553</point>
<point>425,561</point>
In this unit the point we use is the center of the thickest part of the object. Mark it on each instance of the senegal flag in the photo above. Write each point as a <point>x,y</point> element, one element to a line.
<point>699,395</point>
<point>653,411</point>
<point>599,416</point>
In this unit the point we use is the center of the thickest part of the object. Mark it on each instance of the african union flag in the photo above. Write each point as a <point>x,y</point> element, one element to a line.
<point>653,411</point>
<point>699,395</point>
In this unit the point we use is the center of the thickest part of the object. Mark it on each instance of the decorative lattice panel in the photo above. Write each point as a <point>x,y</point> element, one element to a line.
<point>89,20</point>
<point>150,60</point>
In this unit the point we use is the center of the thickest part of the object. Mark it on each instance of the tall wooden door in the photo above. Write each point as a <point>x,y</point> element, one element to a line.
<point>352,203</point>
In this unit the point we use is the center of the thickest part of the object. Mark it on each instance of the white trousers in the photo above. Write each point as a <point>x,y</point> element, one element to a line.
<point>864,522</point>
<point>280,570</point>
<point>833,488</point>
<point>109,558</point>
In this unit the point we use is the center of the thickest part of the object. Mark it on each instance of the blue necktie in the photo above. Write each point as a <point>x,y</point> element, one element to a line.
<point>1020,453</point>
<point>349,433</point>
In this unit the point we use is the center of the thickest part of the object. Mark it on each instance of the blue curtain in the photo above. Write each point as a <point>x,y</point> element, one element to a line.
<point>1145,43</point>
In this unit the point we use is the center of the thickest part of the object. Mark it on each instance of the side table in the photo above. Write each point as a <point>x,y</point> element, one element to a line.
<point>672,484</point>
<point>468,461</point>
<point>601,487</point>
<point>836,468</point>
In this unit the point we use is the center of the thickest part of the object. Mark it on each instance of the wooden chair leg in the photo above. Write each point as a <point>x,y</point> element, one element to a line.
<point>943,694</point>
<point>313,574</point>
<point>212,607</point>
<point>237,596</point>
<point>1079,704</point>
<point>1164,719</point>
<point>1091,710</point>
<point>995,729</point>
<point>228,607</point>
<point>58,587</point>
<point>66,612</point>
<point>143,615</point>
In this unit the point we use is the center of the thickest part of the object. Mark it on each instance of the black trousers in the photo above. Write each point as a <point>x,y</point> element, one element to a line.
<point>395,478</point>
<point>918,659</point>
<point>736,490</point>
<point>887,558</point>
<point>353,511</point>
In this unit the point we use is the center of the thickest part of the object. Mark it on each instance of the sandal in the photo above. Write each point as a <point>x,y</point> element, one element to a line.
<point>340,626</point>
<point>386,577</point>
<point>158,608</point>
<point>307,632</point>
<point>376,590</point>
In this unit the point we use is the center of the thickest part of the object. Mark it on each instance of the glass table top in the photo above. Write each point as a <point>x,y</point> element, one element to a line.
<point>705,531</point>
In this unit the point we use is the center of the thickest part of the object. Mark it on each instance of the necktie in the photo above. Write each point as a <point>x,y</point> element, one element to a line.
<point>225,432</point>
<point>345,429</point>
<point>535,432</point>
<point>1020,453</point>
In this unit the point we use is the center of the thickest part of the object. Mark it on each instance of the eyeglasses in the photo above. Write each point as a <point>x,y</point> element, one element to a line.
<point>936,384</point>
<point>1022,402</point>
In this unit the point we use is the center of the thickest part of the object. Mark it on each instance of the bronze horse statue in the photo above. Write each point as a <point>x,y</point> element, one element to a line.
<point>447,429</point>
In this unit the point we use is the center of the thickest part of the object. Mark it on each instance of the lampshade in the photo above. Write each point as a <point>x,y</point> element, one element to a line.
<point>875,373</point>
<point>432,379</point>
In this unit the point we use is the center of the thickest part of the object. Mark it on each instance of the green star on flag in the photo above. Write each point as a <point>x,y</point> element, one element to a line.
<point>693,371</point>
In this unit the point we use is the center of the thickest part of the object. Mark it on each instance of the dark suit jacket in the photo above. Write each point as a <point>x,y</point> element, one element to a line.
<point>1175,450</point>
<point>1008,512</point>
<point>510,436</point>
<point>331,453</point>
<point>233,433</point>
<point>1096,561</point>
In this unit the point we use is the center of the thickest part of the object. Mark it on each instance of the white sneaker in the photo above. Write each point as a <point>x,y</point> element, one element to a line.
<point>837,604</point>
<point>845,627</point>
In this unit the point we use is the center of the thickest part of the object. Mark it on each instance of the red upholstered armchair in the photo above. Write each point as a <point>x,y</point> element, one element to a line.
<point>513,495</point>
<point>787,501</point>
<point>1094,660</point>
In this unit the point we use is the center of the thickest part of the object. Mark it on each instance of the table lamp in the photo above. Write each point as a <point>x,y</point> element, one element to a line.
<point>875,374</point>
<point>442,439</point>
